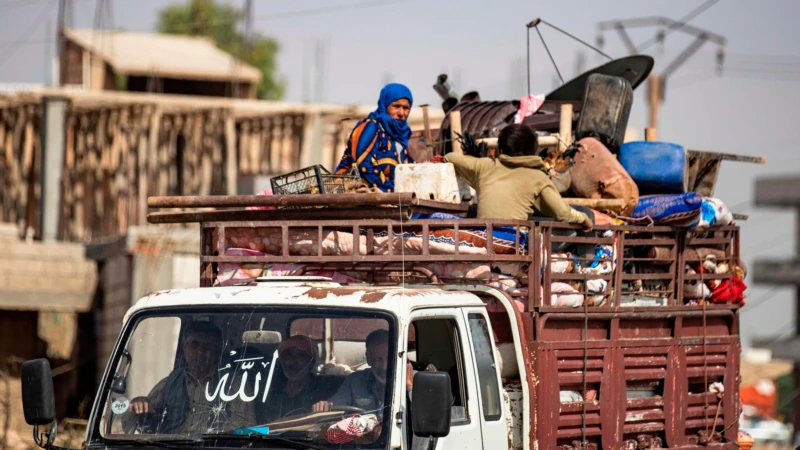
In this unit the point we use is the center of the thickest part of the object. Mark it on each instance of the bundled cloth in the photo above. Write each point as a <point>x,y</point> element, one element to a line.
<point>358,428</point>
<point>714,212</point>
<point>688,210</point>
<point>714,290</point>
<point>682,210</point>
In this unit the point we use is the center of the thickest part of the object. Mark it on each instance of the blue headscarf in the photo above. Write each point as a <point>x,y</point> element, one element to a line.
<point>398,130</point>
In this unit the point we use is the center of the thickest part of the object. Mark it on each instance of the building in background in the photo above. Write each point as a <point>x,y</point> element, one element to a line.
<point>783,193</point>
<point>100,60</point>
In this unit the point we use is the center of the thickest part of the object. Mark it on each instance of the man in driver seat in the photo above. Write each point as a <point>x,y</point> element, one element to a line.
<point>364,389</point>
<point>177,404</point>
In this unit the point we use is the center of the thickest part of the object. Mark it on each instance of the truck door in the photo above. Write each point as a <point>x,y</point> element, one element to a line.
<point>439,339</point>
<point>485,369</point>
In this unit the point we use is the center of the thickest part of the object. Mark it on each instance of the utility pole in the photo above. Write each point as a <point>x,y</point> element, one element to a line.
<point>236,89</point>
<point>64,21</point>
<point>657,81</point>
<point>321,59</point>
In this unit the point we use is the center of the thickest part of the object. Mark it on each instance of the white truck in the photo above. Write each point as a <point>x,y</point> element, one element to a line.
<point>465,361</point>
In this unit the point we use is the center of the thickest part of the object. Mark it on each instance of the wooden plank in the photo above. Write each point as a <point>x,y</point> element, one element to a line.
<point>728,156</point>
<point>612,204</point>
<point>278,214</point>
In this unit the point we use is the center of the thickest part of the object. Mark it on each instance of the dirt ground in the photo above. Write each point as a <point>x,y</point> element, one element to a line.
<point>771,447</point>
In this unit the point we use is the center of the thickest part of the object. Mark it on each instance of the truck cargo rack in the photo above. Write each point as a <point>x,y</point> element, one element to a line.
<point>648,273</point>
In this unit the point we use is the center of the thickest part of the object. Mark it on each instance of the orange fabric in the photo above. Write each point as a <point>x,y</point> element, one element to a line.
<point>764,404</point>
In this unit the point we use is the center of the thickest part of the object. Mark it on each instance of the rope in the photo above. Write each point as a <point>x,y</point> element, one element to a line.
<point>577,39</point>
<point>549,54</point>
<point>585,364</point>
<point>403,247</point>
<point>705,355</point>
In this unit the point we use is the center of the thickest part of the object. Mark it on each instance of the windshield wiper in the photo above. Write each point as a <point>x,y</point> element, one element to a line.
<point>174,444</point>
<point>298,442</point>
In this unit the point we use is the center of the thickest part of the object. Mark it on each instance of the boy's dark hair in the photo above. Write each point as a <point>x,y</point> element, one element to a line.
<point>517,140</point>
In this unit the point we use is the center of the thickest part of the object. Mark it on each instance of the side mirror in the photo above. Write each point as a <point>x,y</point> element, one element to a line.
<point>431,398</point>
<point>120,383</point>
<point>38,400</point>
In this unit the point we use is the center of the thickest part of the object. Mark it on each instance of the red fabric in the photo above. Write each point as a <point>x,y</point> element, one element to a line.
<point>299,342</point>
<point>731,290</point>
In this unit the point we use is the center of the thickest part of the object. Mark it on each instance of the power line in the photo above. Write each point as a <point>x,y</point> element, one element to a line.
<point>676,26</point>
<point>23,42</point>
<point>271,16</point>
<point>18,3</point>
<point>298,13</point>
<point>26,34</point>
<point>761,299</point>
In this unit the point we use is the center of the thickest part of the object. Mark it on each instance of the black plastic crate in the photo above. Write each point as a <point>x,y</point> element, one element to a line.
<point>313,180</point>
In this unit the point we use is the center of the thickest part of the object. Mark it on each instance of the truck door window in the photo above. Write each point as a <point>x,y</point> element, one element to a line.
<point>437,345</point>
<point>487,372</point>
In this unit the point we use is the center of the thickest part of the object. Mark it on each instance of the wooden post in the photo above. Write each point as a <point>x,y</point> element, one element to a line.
<point>565,127</point>
<point>455,130</point>
<point>654,100</point>
<point>147,158</point>
<point>650,134</point>
<point>231,158</point>
<point>427,122</point>
<point>552,140</point>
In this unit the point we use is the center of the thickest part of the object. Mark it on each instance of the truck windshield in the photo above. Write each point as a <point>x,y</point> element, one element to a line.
<point>311,375</point>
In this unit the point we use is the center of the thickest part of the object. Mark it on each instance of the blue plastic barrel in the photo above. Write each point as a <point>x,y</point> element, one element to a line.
<point>656,167</point>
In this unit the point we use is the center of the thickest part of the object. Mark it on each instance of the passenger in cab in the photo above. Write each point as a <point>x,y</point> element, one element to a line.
<point>515,185</point>
<point>365,389</point>
<point>379,143</point>
<point>177,404</point>
<point>296,388</point>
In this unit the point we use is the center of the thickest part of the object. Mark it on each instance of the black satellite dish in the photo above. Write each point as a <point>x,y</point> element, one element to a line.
<point>633,68</point>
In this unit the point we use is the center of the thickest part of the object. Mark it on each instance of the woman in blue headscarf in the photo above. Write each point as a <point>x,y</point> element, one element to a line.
<point>379,143</point>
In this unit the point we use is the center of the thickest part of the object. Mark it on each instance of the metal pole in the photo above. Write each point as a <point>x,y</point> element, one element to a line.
<point>223,201</point>
<point>797,325</point>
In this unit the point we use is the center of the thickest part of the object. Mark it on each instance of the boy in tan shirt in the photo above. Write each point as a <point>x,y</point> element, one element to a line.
<point>515,185</point>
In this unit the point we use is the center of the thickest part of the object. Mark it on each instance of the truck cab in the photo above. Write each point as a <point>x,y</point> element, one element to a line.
<point>439,364</point>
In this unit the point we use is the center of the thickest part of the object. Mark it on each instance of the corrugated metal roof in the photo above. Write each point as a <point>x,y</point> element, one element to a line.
<point>166,55</point>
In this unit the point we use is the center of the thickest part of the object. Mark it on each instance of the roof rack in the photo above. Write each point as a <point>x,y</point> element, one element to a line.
<point>394,206</point>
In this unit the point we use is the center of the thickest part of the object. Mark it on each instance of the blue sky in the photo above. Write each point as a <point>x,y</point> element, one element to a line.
<point>751,109</point>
